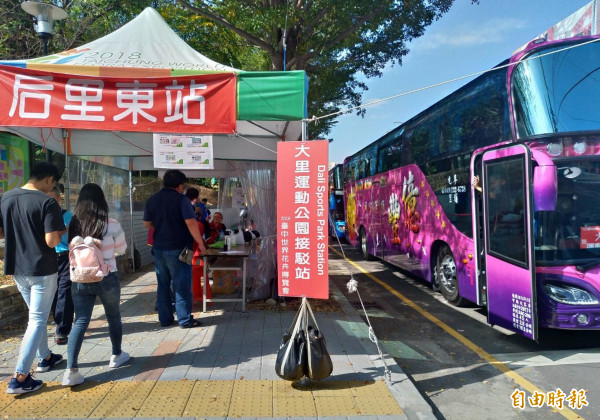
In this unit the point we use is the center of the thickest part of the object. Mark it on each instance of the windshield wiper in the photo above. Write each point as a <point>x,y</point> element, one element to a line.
<point>585,267</point>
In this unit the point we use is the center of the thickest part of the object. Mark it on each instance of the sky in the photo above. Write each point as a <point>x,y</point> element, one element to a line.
<point>468,39</point>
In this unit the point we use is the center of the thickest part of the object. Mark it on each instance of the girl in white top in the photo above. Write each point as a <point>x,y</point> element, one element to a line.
<point>113,244</point>
<point>90,218</point>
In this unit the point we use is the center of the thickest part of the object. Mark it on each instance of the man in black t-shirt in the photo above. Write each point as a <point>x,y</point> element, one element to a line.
<point>31,224</point>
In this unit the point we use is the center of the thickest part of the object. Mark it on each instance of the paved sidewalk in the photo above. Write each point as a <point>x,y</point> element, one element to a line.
<point>224,369</point>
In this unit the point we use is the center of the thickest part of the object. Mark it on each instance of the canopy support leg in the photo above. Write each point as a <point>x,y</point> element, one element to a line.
<point>131,215</point>
<point>67,174</point>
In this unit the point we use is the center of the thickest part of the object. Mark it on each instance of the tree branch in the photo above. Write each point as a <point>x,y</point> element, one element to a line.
<point>299,58</point>
<point>207,13</point>
<point>90,20</point>
<point>359,22</point>
<point>310,28</point>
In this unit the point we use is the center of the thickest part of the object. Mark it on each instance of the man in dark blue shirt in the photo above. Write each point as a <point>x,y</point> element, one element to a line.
<point>175,228</point>
<point>62,306</point>
<point>202,210</point>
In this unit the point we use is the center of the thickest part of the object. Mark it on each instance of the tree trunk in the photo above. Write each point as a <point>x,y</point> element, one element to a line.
<point>291,51</point>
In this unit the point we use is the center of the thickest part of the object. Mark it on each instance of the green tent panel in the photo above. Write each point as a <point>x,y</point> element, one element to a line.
<point>272,96</point>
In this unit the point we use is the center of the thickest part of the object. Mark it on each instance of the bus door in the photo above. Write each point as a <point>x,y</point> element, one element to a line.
<point>508,239</point>
<point>477,210</point>
<point>377,210</point>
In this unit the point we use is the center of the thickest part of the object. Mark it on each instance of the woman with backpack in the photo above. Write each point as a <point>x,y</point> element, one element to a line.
<point>90,219</point>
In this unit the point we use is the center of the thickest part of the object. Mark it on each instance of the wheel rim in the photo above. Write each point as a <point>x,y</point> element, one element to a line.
<point>363,242</point>
<point>447,275</point>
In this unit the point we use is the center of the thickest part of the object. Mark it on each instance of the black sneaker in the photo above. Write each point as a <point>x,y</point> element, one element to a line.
<point>45,365</point>
<point>61,339</point>
<point>27,385</point>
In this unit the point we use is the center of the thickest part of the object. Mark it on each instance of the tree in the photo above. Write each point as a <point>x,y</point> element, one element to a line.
<point>337,42</point>
<point>215,41</point>
<point>334,41</point>
<point>87,21</point>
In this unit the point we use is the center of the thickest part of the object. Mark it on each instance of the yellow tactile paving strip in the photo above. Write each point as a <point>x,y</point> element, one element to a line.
<point>260,398</point>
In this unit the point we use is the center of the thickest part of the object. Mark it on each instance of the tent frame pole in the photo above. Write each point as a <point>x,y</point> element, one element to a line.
<point>304,130</point>
<point>67,174</point>
<point>131,214</point>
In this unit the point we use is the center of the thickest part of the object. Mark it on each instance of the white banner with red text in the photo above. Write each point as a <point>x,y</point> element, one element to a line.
<point>187,104</point>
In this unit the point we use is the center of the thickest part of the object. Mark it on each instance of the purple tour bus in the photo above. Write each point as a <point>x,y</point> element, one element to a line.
<point>493,193</point>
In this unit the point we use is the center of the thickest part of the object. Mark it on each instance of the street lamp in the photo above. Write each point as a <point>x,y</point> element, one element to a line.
<point>45,14</point>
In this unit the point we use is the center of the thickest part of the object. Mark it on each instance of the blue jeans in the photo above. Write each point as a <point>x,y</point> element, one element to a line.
<point>170,270</point>
<point>84,296</point>
<point>38,293</point>
<point>62,307</point>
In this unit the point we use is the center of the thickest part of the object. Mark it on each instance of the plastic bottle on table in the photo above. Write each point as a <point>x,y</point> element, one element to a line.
<point>227,245</point>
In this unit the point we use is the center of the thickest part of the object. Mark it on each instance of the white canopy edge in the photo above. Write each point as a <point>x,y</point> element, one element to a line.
<point>104,145</point>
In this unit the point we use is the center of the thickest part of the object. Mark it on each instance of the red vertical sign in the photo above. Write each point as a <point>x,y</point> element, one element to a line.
<point>302,215</point>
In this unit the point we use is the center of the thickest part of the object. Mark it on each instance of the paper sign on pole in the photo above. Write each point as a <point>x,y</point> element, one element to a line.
<point>176,151</point>
<point>302,188</point>
<point>238,199</point>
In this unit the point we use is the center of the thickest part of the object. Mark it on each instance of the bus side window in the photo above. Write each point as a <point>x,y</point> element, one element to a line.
<point>361,169</point>
<point>381,163</point>
<point>355,168</point>
<point>388,158</point>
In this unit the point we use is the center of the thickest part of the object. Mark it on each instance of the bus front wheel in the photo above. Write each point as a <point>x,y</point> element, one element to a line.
<point>446,276</point>
<point>364,249</point>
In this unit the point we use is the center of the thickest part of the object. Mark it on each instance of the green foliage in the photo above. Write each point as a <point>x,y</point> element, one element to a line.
<point>203,182</point>
<point>144,187</point>
<point>334,41</point>
<point>17,38</point>
<point>87,21</point>
<point>214,41</point>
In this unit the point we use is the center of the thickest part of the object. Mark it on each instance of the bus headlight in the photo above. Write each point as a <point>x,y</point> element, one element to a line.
<point>555,149</point>
<point>579,147</point>
<point>570,295</point>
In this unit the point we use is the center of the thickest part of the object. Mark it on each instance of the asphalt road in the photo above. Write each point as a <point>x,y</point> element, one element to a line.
<point>465,368</point>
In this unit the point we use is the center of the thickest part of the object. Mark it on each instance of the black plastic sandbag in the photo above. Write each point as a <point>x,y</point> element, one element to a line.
<point>291,357</point>
<point>319,365</point>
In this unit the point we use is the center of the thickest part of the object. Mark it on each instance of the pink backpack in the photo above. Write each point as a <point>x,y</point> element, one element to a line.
<point>86,260</point>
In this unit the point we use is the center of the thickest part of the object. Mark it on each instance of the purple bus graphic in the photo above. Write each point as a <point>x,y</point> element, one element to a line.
<point>491,194</point>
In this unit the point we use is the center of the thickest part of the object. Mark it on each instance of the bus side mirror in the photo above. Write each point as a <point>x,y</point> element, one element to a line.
<point>545,187</point>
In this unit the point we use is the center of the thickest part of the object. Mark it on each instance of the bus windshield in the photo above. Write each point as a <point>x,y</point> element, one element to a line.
<point>571,234</point>
<point>558,93</point>
<point>336,179</point>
